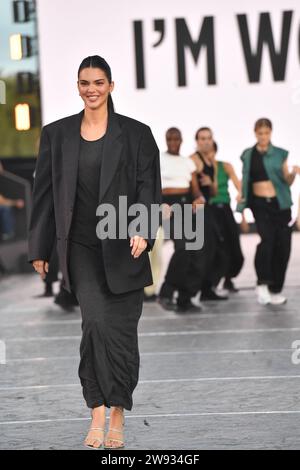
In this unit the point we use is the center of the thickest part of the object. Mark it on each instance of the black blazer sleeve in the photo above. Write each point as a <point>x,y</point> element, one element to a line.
<point>42,229</point>
<point>149,179</point>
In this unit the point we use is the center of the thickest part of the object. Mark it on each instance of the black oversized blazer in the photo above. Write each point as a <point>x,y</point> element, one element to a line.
<point>130,166</point>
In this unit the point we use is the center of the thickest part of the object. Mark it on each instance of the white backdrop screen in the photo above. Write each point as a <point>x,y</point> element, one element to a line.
<point>185,64</point>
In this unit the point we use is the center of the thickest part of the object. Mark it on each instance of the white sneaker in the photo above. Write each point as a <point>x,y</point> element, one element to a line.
<point>223,292</point>
<point>196,300</point>
<point>278,299</point>
<point>263,294</point>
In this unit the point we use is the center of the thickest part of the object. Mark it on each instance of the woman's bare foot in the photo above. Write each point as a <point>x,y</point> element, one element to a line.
<point>114,437</point>
<point>95,437</point>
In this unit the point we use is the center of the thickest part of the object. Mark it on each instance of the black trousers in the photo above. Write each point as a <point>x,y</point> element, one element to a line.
<point>209,264</point>
<point>186,269</point>
<point>178,274</point>
<point>273,252</point>
<point>109,354</point>
<point>231,239</point>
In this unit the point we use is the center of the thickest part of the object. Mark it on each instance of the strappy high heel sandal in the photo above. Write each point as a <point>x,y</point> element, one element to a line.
<point>113,439</point>
<point>95,438</point>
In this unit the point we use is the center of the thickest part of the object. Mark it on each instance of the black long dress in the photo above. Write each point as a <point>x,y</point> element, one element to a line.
<point>109,354</point>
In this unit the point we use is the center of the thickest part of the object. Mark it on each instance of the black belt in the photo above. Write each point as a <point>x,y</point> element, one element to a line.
<point>266,199</point>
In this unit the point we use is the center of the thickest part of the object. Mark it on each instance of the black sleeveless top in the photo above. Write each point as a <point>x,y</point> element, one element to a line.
<point>84,221</point>
<point>257,168</point>
<point>207,170</point>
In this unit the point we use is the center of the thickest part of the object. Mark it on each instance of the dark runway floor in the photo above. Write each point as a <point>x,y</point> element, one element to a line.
<point>221,379</point>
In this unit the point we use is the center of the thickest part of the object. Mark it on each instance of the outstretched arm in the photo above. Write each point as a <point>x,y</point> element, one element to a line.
<point>289,176</point>
<point>229,169</point>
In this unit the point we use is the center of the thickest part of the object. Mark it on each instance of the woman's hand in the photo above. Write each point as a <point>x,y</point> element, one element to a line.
<point>245,227</point>
<point>200,200</point>
<point>296,169</point>
<point>239,198</point>
<point>166,211</point>
<point>19,203</point>
<point>138,244</point>
<point>41,267</point>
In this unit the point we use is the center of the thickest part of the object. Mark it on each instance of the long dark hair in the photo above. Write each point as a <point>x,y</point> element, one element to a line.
<point>96,61</point>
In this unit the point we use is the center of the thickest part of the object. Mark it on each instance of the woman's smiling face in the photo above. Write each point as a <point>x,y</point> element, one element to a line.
<point>94,87</point>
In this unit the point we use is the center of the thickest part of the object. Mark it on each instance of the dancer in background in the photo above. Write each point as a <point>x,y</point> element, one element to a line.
<point>266,191</point>
<point>228,227</point>
<point>214,249</point>
<point>179,185</point>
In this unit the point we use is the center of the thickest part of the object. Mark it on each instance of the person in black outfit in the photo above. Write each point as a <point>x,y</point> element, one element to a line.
<point>215,259</point>
<point>93,156</point>
<point>180,187</point>
<point>224,217</point>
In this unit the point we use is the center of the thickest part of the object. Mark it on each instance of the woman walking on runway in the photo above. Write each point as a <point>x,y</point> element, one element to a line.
<point>86,159</point>
<point>266,191</point>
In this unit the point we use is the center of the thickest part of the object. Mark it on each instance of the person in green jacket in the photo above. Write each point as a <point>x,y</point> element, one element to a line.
<point>266,191</point>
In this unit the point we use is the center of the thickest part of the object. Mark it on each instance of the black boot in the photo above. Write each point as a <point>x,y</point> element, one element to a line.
<point>150,298</point>
<point>188,307</point>
<point>167,303</point>
<point>66,300</point>
<point>48,289</point>
<point>228,285</point>
<point>211,295</point>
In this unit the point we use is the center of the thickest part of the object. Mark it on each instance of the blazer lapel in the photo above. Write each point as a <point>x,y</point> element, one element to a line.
<point>112,149</point>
